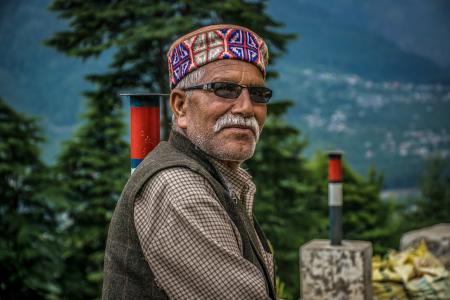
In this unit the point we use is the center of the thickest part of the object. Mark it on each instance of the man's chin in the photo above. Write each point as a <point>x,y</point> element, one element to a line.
<point>228,145</point>
<point>233,153</point>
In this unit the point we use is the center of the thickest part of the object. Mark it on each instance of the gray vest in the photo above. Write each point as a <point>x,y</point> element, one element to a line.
<point>127,274</point>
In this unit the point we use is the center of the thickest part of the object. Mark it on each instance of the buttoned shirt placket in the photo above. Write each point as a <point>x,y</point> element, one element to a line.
<point>242,189</point>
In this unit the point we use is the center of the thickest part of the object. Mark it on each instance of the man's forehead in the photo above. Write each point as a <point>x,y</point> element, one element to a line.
<point>234,71</point>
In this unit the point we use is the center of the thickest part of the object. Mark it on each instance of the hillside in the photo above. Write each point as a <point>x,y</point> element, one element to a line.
<point>357,89</point>
<point>377,94</point>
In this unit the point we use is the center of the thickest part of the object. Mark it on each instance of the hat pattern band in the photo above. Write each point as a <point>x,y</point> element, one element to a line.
<point>205,47</point>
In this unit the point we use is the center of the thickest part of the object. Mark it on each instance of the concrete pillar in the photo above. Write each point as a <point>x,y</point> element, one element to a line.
<point>336,272</point>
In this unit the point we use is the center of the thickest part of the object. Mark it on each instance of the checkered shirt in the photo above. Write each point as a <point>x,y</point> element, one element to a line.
<point>192,246</point>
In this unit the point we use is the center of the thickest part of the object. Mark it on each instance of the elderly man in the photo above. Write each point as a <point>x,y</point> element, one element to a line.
<point>184,227</point>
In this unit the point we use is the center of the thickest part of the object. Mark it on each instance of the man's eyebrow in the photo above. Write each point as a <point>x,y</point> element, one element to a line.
<point>218,79</point>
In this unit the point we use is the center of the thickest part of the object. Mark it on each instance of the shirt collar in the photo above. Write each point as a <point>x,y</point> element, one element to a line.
<point>239,182</point>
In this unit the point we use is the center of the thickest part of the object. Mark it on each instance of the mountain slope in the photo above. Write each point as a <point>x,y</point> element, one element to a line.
<point>357,85</point>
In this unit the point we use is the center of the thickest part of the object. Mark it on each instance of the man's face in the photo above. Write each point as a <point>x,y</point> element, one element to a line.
<point>234,142</point>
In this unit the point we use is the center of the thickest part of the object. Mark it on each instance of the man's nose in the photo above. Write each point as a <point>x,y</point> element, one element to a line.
<point>243,104</point>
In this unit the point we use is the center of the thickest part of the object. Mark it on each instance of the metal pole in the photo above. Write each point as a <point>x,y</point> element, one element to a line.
<point>335,196</point>
<point>144,125</point>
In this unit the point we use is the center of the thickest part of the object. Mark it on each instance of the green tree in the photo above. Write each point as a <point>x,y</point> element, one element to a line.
<point>29,250</point>
<point>140,33</point>
<point>365,215</point>
<point>432,207</point>
<point>92,168</point>
<point>283,198</point>
<point>292,198</point>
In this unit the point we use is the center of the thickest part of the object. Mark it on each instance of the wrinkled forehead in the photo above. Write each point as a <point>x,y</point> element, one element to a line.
<point>233,71</point>
<point>209,44</point>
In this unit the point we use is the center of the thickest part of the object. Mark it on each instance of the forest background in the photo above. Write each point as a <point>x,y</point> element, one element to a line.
<point>371,79</point>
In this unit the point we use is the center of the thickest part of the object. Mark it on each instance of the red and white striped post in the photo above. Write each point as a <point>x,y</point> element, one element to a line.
<point>335,196</point>
<point>144,125</point>
<point>341,269</point>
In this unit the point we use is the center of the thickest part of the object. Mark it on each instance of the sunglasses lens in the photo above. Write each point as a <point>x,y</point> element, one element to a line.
<point>226,90</point>
<point>260,94</point>
<point>229,90</point>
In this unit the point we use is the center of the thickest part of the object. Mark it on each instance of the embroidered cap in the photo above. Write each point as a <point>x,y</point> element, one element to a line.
<point>212,43</point>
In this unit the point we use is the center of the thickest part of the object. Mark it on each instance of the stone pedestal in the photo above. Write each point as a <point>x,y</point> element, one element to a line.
<point>336,272</point>
<point>436,237</point>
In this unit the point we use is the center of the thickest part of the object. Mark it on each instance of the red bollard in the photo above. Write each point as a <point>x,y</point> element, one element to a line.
<point>144,125</point>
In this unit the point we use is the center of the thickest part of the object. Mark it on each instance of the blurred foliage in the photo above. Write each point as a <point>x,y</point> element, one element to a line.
<point>54,221</point>
<point>435,186</point>
<point>91,172</point>
<point>433,207</point>
<point>140,33</point>
<point>92,168</point>
<point>29,248</point>
<point>280,174</point>
<point>292,198</point>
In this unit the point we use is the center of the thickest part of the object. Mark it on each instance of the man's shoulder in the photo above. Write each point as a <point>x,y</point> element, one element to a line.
<point>169,170</point>
<point>177,179</point>
<point>178,185</point>
<point>176,176</point>
<point>165,156</point>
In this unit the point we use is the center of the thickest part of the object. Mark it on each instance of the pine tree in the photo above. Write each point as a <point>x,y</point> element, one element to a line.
<point>93,165</point>
<point>140,33</point>
<point>432,207</point>
<point>365,215</point>
<point>292,198</point>
<point>29,250</point>
<point>282,200</point>
<point>92,170</point>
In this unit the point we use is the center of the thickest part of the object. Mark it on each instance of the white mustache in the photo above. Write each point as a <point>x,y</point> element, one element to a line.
<point>230,120</point>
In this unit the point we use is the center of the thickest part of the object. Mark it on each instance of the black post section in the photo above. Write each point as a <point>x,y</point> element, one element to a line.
<point>335,225</point>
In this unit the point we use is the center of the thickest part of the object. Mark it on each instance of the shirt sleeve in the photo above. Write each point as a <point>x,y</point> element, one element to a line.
<point>189,241</point>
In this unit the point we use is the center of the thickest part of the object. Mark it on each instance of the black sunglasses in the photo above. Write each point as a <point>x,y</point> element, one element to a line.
<point>231,90</point>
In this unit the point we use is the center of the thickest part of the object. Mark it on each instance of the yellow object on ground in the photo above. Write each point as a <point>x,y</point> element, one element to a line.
<point>387,283</point>
<point>411,274</point>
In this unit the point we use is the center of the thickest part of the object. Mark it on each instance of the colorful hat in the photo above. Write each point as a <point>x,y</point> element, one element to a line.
<point>212,43</point>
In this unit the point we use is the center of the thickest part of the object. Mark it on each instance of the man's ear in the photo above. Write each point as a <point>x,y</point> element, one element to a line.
<point>178,104</point>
